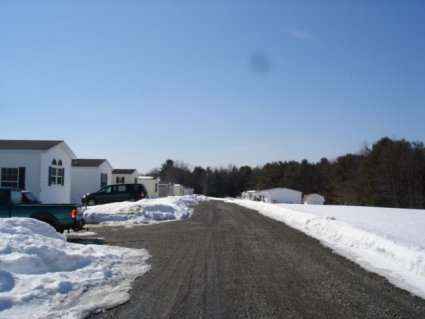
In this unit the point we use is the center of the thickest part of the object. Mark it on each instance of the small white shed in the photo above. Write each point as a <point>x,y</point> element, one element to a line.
<point>281,195</point>
<point>314,199</point>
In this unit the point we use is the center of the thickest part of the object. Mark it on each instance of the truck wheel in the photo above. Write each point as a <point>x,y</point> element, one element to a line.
<point>50,221</point>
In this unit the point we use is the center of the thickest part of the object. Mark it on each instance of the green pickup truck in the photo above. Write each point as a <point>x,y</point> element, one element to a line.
<point>16,203</point>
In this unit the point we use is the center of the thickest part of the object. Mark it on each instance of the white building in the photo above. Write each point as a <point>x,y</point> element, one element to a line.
<point>152,185</point>
<point>180,190</point>
<point>165,189</point>
<point>125,176</point>
<point>314,199</point>
<point>170,189</point>
<point>43,167</point>
<point>281,195</point>
<point>89,175</point>
<point>188,191</point>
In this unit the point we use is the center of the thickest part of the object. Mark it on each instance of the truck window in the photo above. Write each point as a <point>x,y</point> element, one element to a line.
<point>3,197</point>
<point>16,197</point>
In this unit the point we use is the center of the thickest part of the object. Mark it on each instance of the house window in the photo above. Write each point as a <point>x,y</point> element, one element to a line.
<point>9,177</point>
<point>103,179</point>
<point>56,173</point>
<point>120,180</point>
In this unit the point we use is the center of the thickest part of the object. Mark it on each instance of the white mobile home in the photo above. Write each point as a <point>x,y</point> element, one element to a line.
<point>281,195</point>
<point>43,167</point>
<point>152,185</point>
<point>126,176</point>
<point>89,175</point>
<point>178,190</point>
<point>165,189</point>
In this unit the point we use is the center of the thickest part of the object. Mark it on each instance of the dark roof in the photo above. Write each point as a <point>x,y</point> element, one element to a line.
<point>85,162</point>
<point>123,171</point>
<point>27,144</point>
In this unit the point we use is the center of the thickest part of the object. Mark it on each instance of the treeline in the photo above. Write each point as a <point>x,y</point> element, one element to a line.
<point>391,173</point>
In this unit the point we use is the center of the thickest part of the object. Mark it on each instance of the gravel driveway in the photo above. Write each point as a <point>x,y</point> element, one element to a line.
<point>227,261</point>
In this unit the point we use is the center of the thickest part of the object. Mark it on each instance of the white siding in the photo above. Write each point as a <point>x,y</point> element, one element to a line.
<point>178,190</point>
<point>29,159</point>
<point>87,180</point>
<point>151,184</point>
<point>314,199</point>
<point>55,193</point>
<point>282,195</point>
<point>128,178</point>
<point>36,163</point>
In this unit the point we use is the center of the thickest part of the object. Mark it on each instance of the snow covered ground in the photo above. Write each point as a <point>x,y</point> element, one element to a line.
<point>44,276</point>
<point>387,241</point>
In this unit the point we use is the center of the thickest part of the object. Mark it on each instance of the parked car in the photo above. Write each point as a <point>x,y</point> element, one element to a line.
<point>116,193</point>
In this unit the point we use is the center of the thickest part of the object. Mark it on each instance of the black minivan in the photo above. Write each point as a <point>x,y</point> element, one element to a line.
<point>116,193</point>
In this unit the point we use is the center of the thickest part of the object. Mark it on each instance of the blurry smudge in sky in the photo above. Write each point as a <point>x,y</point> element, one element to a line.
<point>259,63</point>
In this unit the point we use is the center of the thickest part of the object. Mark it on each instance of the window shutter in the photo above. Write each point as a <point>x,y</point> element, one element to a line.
<point>62,172</point>
<point>49,178</point>
<point>21,182</point>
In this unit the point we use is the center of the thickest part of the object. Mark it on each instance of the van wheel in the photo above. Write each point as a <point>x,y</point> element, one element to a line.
<point>91,202</point>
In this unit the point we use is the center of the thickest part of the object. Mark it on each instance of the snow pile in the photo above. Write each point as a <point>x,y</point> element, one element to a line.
<point>43,276</point>
<point>145,211</point>
<point>388,241</point>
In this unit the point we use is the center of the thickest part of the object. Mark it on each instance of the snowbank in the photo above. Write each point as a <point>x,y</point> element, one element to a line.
<point>145,211</point>
<point>43,276</point>
<point>388,241</point>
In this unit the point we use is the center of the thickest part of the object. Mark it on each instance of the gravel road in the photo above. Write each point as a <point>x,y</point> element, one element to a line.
<point>227,261</point>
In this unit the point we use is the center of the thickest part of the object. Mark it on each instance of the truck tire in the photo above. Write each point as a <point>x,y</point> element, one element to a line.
<point>48,219</point>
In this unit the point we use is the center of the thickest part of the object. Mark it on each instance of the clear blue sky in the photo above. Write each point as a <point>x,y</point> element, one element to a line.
<point>212,82</point>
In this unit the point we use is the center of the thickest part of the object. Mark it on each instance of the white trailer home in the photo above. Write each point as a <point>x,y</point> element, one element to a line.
<point>180,190</point>
<point>89,175</point>
<point>152,185</point>
<point>41,166</point>
<point>126,176</point>
<point>165,189</point>
<point>281,195</point>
